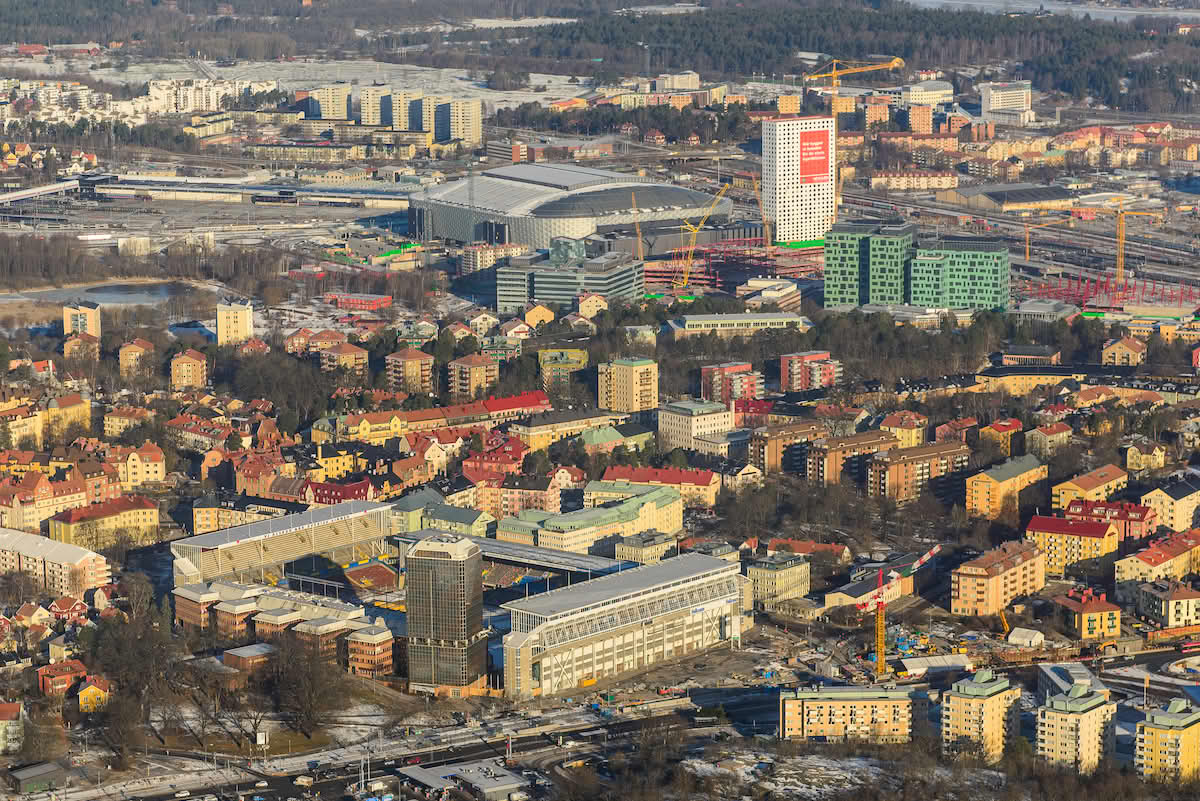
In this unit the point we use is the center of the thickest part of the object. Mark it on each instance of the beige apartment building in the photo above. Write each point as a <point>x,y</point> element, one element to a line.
<point>902,474</point>
<point>1076,729</point>
<point>81,318</point>
<point>830,457</point>
<point>409,370</point>
<point>235,322</point>
<point>1169,604</point>
<point>778,577</point>
<point>134,355</point>
<point>627,385</point>
<point>470,376</point>
<point>1172,557</point>
<point>989,583</point>
<point>774,448</point>
<point>647,548</point>
<point>681,422</point>
<point>873,714</point>
<point>333,101</point>
<point>979,715</point>
<point>189,370</point>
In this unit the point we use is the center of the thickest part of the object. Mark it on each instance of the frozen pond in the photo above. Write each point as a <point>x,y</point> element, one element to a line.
<point>114,294</point>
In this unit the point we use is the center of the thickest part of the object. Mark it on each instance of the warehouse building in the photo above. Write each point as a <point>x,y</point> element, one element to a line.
<point>571,637</point>
<point>533,203</point>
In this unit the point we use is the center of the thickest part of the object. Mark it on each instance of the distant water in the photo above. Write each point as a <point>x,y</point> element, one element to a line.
<point>109,294</point>
<point>1077,9</point>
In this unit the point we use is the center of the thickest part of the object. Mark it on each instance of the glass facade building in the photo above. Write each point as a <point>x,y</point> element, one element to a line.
<point>447,645</point>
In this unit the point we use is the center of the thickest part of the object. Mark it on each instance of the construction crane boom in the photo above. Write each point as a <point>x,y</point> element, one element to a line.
<point>1068,220</point>
<point>766,224</point>
<point>874,601</point>
<point>1122,213</point>
<point>637,227</point>
<point>834,71</point>
<point>694,231</point>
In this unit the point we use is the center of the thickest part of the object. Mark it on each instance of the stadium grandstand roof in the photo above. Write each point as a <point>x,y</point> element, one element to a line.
<point>615,586</point>
<point>530,554</point>
<point>279,525</point>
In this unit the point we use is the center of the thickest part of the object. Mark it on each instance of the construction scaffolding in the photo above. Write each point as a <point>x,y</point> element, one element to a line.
<point>722,266</point>
<point>1109,292</point>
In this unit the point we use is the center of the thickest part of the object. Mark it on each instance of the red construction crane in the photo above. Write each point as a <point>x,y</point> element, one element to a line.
<point>875,602</point>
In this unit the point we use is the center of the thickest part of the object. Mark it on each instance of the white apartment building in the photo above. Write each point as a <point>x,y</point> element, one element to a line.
<point>680,423</point>
<point>1007,103</point>
<point>798,176</point>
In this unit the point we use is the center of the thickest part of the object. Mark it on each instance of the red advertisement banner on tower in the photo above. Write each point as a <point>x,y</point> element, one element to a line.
<point>814,157</point>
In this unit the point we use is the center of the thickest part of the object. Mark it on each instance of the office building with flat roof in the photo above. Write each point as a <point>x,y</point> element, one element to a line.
<point>447,644</point>
<point>571,637</point>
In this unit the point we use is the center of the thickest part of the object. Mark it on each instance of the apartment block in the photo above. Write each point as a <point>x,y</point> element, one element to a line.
<point>1169,604</point>
<point>1006,435</point>
<point>1045,441</point>
<point>235,322</point>
<point>478,257</point>
<point>81,318</point>
<point>1133,522</point>
<point>834,714</point>
<point>909,427</point>
<point>779,577</point>
<point>784,447</point>
<point>1123,351</point>
<point>1175,505</point>
<point>682,422</point>
<point>375,106</point>
<point>987,584</point>
<point>409,370</point>
<point>470,376</point>
<point>1096,485</point>
<point>799,158</point>
<point>990,491</point>
<point>1170,558</point>
<point>55,567</point>
<point>902,474</point>
<point>628,385</point>
<point>1089,615</point>
<point>979,715</point>
<point>97,526</point>
<point>831,457</point>
<point>725,383</point>
<point>810,369</point>
<point>1167,748</point>
<point>189,370</point>
<point>332,102</point>
<point>134,356</point>
<point>1066,543</point>
<point>1077,729</point>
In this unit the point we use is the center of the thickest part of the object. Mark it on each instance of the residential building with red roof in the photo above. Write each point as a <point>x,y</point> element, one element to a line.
<point>698,488</point>
<point>67,609</point>
<point>962,429</point>
<point>1006,435</point>
<point>987,584</point>
<point>1133,521</point>
<point>56,679</point>
<point>97,526</point>
<point>1068,543</point>
<point>832,550</point>
<point>1089,615</point>
<point>1169,604</point>
<point>907,426</point>
<point>1123,351</point>
<point>1169,558</point>
<point>1095,485</point>
<point>1045,441</point>
<point>189,370</point>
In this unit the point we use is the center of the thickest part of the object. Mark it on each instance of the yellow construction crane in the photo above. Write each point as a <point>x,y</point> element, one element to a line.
<point>1068,220</point>
<point>766,224</point>
<point>637,228</point>
<point>694,230</point>
<point>874,602</point>
<point>834,71</point>
<point>1004,622</point>
<point>1122,213</point>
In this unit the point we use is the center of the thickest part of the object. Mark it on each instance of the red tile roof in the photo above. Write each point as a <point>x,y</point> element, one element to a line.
<point>664,475</point>
<point>1061,525</point>
<point>97,511</point>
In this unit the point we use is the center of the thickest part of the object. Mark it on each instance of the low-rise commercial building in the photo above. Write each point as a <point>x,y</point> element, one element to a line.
<point>542,430</point>
<point>987,584</point>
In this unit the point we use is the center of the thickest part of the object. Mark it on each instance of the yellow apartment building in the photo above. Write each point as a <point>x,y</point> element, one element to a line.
<point>235,322</point>
<point>1175,504</point>
<point>778,577</point>
<point>1089,615</point>
<point>1167,748</point>
<point>1096,485</point>
<point>81,318</point>
<point>987,584</point>
<point>627,385</point>
<point>1076,729</point>
<point>189,370</point>
<point>989,491</point>
<point>909,428</point>
<point>1066,542</point>
<point>979,715</point>
<point>835,714</point>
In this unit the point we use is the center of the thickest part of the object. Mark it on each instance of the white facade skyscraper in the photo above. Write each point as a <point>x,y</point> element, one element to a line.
<point>798,179</point>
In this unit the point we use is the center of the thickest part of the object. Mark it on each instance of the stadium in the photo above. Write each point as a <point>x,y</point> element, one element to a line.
<point>533,203</point>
